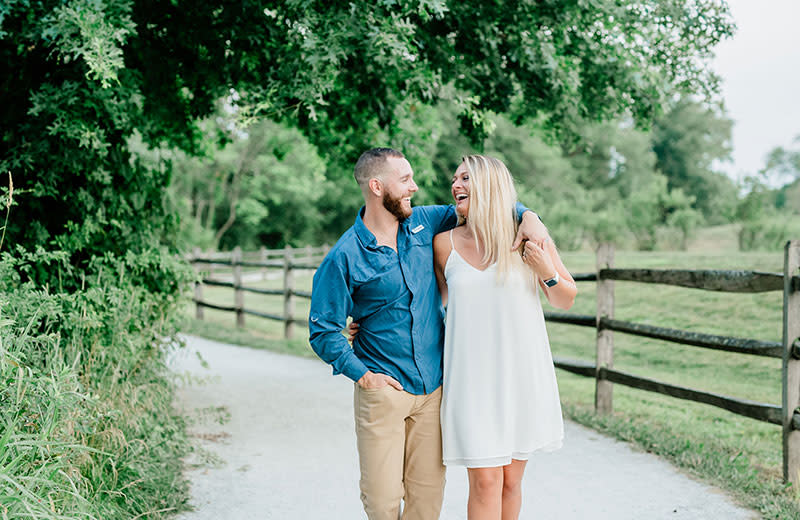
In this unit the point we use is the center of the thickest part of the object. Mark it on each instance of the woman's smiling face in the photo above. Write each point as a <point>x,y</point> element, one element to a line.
<point>460,190</point>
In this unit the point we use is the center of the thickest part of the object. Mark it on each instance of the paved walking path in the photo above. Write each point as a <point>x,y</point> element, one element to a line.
<point>288,452</point>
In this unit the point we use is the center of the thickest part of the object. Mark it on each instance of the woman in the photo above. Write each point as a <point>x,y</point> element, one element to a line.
<point>500,400</point>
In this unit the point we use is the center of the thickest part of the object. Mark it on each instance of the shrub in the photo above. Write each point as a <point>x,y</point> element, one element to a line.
<point>87,428</point>
<point>768,232</point>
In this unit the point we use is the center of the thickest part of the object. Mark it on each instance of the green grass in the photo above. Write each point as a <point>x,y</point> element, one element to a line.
<point>87,427</point>
<point>738,454</point>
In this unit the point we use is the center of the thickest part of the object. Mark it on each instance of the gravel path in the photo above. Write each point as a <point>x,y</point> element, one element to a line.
<point>287,451</point>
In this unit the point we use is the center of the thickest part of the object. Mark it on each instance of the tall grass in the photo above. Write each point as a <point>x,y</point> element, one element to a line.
<point>87,428</point>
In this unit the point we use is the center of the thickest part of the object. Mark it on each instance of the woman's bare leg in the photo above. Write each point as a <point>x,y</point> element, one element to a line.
<point>485,493</point>
<point>512,489</point>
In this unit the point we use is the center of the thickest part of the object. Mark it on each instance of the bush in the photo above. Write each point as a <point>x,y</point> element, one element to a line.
<point>768,232</point>
<point>87,428</point>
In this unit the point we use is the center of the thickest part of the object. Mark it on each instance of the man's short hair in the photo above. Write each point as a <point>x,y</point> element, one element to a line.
<point>371,163</point>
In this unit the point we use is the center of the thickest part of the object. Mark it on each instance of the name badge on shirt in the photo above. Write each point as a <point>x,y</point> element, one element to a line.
<point>418,229</point>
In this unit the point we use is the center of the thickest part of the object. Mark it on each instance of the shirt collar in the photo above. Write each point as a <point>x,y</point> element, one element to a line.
<point>365,236</point>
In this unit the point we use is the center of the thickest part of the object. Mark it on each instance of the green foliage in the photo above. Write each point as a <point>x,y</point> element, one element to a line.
<point>91,31</point>
<point>688,140</point>
<point>643,208</point>
<point>787,198</point>
<point>768,232</point>
<point>685,219</point>
<point>783,164</point>
<point>347,75</point>
<point>86,420</point>
<point>765,225</point>
<point>607,190</point>
<point>652,205</point>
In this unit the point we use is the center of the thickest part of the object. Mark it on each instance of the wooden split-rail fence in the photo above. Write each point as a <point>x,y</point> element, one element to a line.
<point>288,260</point>
<point>787,414</point>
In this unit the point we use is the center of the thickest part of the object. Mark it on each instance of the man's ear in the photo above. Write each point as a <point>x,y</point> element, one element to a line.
<point>376,187</point>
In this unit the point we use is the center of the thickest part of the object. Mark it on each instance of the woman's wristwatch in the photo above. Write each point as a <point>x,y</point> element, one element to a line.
<point>552,281</point>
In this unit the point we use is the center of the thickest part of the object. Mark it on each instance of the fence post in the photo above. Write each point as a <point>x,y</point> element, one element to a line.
<point>262,256</point>
<point>603,402</point>
<point>325,249</point>
<point>288,297</point>
<point>198,286</point>
<point>791,361</point>
<point>238,293</point>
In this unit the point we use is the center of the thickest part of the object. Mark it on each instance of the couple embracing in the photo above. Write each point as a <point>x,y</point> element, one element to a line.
<point>471,386</point>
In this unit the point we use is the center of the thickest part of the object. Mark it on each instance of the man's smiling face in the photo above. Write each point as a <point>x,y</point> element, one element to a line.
<point>399,186</point>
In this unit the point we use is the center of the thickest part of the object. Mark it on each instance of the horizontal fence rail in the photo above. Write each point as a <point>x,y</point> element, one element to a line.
<point>289,260</point>
<point>698,339</point>
<point>253,264</point>
<point>761,411</point>
<point>709,280</point>
<point>573,319</point>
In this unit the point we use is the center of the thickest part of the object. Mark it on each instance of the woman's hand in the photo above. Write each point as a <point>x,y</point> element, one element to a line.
<point>546,262</point>
<point>538,260</point>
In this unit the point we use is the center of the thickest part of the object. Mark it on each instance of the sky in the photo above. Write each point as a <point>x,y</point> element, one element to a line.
<point>760,71</point>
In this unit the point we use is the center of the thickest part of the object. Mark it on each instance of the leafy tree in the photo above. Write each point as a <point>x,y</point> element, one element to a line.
<point>767,216</point>
<point>689,140</point>
<point>652,204</point>
<point>681,215</point>
<point>783,164</point>
<point>787,198</point>
<point>783,169</point>
<point>81,76</point>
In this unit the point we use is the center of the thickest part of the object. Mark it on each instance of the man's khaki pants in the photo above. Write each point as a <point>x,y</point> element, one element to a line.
<point>400,453</point>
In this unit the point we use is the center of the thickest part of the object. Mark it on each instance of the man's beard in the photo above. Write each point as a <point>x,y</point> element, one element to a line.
<point>395,207</point>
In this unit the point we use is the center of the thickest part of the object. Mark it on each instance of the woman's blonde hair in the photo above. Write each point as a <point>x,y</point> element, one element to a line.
<point>492,215</point>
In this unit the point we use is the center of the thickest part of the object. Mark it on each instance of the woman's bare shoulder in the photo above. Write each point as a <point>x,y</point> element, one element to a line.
<point>441,241</point>
<point>441,244</point>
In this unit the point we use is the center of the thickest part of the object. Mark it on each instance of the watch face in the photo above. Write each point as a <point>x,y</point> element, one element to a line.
<point>552,281</point>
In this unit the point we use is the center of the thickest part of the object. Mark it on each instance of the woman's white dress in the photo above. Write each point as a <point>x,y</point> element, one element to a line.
<point>500,397</point>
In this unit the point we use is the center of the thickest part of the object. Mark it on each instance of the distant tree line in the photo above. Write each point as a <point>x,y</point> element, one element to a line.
<point>644,188</point>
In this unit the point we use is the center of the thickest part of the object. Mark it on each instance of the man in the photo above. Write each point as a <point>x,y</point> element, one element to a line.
<point>380,272</point>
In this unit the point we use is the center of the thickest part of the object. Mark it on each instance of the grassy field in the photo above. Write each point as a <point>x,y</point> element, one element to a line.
<point>739,454</point>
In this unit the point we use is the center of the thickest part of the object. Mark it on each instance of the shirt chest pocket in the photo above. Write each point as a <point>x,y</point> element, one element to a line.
<point>379,284</point>
<point>420,254</point>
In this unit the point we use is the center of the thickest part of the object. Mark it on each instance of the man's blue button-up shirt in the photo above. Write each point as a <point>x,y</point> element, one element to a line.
<point>392,295</point>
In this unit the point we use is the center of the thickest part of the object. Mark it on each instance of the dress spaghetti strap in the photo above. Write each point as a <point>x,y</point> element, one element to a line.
<point>452,244</point>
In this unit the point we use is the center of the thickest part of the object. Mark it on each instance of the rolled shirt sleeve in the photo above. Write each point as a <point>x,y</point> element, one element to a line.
<point>331,304</point>
<point>521,209</point>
